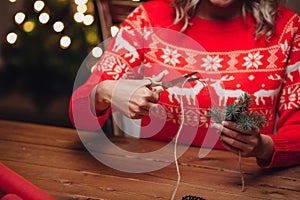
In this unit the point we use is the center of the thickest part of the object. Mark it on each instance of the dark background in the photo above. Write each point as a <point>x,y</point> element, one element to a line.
<point>36,75</point>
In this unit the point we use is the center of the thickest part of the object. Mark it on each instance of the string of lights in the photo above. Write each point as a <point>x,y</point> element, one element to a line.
<point>81,9</point>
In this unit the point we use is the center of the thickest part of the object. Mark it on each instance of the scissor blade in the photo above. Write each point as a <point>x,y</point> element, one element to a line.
<point>190,74</point>
<point>177,80</point>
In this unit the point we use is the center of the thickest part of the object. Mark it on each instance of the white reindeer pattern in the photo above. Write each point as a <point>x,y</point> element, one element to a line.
<point>292,68</point>
<point>260,94</point>
<point>188,93</point>
<point>121,43</point>
<point>222,92</point>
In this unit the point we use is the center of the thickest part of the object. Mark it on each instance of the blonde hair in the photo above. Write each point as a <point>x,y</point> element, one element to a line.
<point>263,11</point>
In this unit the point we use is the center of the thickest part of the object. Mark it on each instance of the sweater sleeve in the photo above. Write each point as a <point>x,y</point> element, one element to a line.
<point>122,59</point>
<point>287,139</point>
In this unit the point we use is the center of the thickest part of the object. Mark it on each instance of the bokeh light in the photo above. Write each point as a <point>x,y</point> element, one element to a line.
<point>11,37</point>
<point>88,20</point>
<point>19,17</point>
<point>92,37</point>
<point>58,26</point>
<point>80,2</point>
<point>28,26</point>
<point>82,8</point>
<point>38,5</point>
<point>114,30</point>
<point>78,17</point>
<point>44,18</point>
<point>65,42</point>
<point>97,52</point>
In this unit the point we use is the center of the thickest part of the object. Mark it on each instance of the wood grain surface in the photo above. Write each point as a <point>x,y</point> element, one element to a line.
<point>55,160</point>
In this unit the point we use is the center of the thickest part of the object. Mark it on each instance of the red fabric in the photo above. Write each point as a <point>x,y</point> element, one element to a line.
<point>12,183</point>
<point>231,61</point>
<point>11,197</point>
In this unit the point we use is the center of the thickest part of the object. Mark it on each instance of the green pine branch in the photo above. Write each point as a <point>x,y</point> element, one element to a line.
<point>239,113</point>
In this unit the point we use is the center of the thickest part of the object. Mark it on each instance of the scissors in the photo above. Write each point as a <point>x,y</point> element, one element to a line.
<point>168,84</point>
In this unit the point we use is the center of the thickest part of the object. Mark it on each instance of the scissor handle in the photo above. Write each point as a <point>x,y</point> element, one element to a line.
<point>153,83</point>
<point>157,92</point>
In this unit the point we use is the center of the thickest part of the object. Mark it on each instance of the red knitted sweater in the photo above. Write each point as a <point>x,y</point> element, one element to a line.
<point>229,59</point>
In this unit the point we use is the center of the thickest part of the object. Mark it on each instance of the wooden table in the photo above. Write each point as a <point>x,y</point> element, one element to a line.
<point>55,160</point>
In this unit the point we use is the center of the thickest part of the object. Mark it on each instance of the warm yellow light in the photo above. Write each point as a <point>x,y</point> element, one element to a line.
<point>97,52</point>
<point>44,18</point>
<point>58,26</point>
<point>11,38</point>
<point>20,17</point>
<point>78,17</point>
<point>28,26</point>
<point>65,42</point>
<point>82,8</point>
<point>88,20</point>
<point>38,5</point>
<point>114,30</point>
<point>80,2</point>
<point>92,37</point>
<point>12,1</point>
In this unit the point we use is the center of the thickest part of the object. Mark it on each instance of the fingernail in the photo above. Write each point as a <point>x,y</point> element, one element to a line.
<point>217,126</point>
<point>224,123</point>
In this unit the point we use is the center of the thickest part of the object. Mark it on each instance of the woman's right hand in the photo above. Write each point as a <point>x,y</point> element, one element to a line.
<point>133,98</point>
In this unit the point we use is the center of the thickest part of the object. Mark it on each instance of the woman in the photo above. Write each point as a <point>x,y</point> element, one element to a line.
<point>254,47</point>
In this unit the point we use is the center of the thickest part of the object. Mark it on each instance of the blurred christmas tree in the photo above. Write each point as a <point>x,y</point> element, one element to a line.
<point>49,41</point>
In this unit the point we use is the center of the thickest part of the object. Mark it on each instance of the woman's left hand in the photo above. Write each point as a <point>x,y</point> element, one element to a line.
<point>249,143</point>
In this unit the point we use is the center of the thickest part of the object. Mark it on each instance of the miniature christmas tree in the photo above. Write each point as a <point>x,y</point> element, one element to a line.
<point>239,113</point>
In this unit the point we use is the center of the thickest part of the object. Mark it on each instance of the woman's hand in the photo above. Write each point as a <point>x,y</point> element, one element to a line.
<point>133,98</point>
<point>249,143</point>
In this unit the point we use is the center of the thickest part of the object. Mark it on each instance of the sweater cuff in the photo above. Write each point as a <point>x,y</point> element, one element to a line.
<point>281,156</point>
<point>84,117</point>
